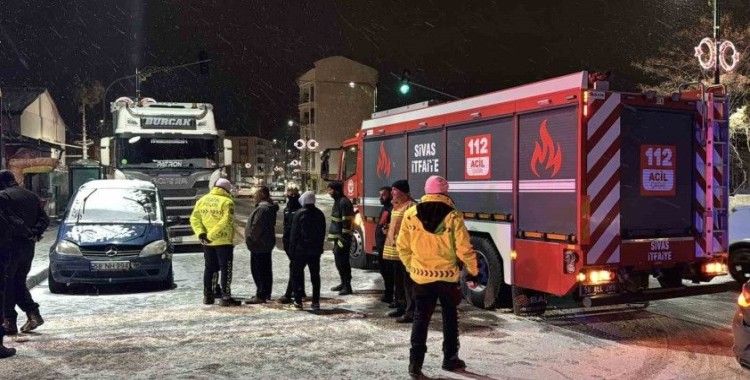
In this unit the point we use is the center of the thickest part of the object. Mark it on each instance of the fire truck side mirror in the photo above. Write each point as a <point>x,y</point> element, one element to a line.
<point>105,151</point>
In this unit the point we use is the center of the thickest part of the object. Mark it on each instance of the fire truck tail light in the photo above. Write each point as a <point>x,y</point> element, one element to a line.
<point>744,299</point>
<point>715,268</point>
<point>597,276</point>
<point>358,219</point>
<point>570,258</point>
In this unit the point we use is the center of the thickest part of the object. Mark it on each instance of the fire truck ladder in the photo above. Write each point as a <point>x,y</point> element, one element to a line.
<point>716,172</point>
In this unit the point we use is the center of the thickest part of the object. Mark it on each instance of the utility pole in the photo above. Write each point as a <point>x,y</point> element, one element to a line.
<point>2,132</point>
<point>85,141</point>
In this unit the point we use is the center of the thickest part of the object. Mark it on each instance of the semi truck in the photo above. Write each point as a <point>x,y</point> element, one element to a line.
<point>568,188</point>
<point>174,145</point>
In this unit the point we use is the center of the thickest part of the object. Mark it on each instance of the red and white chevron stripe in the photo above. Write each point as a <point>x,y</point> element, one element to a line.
<point>603,173</point>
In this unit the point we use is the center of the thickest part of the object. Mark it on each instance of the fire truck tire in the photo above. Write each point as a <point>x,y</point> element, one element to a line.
<point>491,289</point>
<point>739,264</point>
<point>670,278</point>
<point>357,255</point>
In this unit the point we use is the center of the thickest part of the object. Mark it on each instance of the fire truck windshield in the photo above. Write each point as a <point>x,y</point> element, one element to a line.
<point>166,152</point>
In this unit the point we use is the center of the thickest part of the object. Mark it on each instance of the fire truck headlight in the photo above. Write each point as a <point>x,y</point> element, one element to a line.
<point>744,299</point>
<point>570,258</point>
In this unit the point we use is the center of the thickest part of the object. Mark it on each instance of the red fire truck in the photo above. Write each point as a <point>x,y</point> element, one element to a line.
<point>567,188</point>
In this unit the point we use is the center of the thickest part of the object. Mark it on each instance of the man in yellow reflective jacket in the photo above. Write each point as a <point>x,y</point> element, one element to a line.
<point>432,242</point>
<point>213,221</point>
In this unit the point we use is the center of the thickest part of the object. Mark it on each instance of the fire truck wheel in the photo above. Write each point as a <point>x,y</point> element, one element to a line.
<point>357,255</point>
<point>739,264</point>
<point>491,288</point>
<point>670,278</point>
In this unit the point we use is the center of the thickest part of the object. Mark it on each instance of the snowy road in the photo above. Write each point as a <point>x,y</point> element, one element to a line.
<point>142,333</point>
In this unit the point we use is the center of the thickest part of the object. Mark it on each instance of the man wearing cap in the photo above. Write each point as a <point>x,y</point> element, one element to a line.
<point>433,241</point>
<point>213,221</point>
<point>403,285</point>
<point>306,246</point>
<point>340,234</point>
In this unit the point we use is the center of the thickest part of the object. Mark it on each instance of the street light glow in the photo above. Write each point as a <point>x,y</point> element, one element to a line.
<point>352,84</point>
<point>290,123</point>
<point>404,89</point>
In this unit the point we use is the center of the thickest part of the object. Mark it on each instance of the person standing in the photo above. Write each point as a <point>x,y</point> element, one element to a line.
<point>306,244</point>
<point>212,220</point>
<point>27,222</point>
<point>403,285</point>
<point>381,230</point>
<point>5,238</point>
<point>340,234</point>
<point>292,205</point>
<point>260,237</point>
<point>432,243</point>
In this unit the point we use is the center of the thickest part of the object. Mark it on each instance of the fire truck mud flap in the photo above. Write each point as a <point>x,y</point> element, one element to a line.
<point>657,294</point>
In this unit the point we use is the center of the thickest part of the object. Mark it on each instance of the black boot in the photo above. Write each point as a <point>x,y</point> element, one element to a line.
<point>34,320</point>
<point>10,325</point>
<point>208,299</point>
<point>346,290</point>
<point>229,301</point>
<point>416,359</point>
<point>337,288</point>
<point>453,363</point>
<point>5,352</point>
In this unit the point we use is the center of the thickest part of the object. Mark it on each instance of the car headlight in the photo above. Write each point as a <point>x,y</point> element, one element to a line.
<point>154,248</point>
<point>67,248</point>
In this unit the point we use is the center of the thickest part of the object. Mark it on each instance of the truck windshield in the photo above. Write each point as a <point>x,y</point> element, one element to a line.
<point>162,152</point>
<point>114,206</point>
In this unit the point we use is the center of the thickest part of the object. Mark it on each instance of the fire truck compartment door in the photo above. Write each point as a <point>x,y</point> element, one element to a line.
<point>657,173</point>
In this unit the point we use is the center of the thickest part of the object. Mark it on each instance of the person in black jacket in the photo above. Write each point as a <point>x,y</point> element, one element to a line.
<point>292,205</point>
<point>306,244</point>
<point>340,234</point>
<point>27,222</point>
<point>381,230</point>
<point>260,237</point>
<point>5,352</point>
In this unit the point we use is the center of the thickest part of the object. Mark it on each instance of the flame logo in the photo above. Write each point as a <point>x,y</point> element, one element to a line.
<point>546,153</point>
<point>384,163</point>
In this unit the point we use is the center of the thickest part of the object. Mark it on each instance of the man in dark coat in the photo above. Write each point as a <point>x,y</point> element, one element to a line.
<point>306,244</point>
<point>5,352</point>
<point>292,205</point>
<point>27,222</point>
<point>381,230</point>
<point>260,237</point>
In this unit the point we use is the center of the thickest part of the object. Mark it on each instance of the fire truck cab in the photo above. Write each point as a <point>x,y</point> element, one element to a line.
<point>567,187</point>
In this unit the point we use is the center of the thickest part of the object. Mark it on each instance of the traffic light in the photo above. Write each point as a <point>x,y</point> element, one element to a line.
<point>405,87</point>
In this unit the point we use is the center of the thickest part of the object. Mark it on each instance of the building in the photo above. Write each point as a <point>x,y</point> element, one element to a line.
<point>334,97</point>
<point>33,143</point>
<point>254,160</point>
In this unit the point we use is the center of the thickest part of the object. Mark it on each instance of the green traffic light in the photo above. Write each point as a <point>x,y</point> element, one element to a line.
<point>405,88</point>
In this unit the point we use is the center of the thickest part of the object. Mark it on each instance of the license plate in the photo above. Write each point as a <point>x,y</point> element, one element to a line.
<point>110,266</point>
<point>590,290</point>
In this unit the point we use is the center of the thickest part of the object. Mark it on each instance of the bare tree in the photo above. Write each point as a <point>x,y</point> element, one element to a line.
<point>676,64</point>
<point>88,94</point>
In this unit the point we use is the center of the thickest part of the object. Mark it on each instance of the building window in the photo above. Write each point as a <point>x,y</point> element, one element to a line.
<point>260,160</point>
<point>312,115</point>
<point>312,93</point>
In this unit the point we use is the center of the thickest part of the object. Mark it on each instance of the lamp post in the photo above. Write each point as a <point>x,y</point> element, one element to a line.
<point>140,76</point>
<point>717,78</point>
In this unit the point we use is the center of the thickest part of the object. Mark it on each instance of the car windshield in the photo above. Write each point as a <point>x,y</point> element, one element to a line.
<point>153,152</point>
<point>114,206</point>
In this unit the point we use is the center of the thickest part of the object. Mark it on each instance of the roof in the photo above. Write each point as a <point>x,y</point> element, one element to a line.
<point>119,184</point>
<point>16,99</point>
<point>577,80</point>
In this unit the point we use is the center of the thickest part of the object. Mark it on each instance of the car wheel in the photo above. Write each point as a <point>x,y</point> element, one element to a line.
<point>739,264</point>
<point>54,286</point>
<point>357,255</point>
<point>490,288</point>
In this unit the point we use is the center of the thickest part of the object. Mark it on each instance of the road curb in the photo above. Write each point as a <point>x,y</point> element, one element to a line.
<point>37,278</point>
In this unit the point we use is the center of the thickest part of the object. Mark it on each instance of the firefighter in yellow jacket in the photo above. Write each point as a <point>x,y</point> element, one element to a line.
<point>432,241</point>
<point>212,221</point>
<point>403,285</point>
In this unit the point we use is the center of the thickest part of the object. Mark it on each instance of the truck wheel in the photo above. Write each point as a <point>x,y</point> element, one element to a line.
<point>357,255</point>
<point>739,264</point>
<point>491,287</point>
<point>54,286</point>
<point>528,302</point>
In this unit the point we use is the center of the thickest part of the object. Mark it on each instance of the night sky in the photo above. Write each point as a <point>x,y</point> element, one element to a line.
<point>258,47</point>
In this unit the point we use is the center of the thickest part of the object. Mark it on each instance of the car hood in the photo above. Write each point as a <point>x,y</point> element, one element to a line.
<point>89,234</point>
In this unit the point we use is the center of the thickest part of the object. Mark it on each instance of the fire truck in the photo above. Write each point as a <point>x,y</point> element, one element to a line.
<point>567,187</point>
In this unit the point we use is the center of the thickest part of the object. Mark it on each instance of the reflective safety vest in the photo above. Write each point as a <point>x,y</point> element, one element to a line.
<point>342,216</point>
